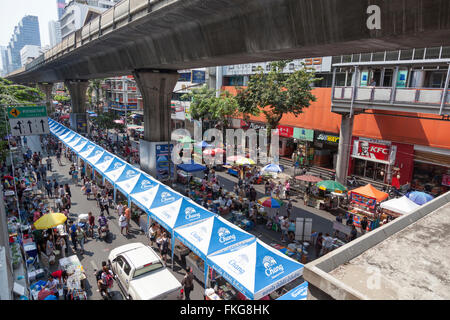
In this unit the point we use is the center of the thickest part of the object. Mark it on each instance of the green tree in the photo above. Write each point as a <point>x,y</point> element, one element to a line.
<point>14,94</point>
<point>277,93</point>
<point>61,99</point>
<point>105,120</point>
<point>206,106</point>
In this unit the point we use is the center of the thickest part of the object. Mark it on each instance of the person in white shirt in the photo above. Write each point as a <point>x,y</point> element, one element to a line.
<point>120,209</point>
<point>229,203</point>
<point>327,243</point>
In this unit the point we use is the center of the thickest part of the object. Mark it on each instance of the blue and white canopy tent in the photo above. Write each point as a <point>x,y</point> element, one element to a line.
<point>298,293</point>
<point>177,213</point>
<point>255,269</point>
<point>127,180</point>
<point>144,192</point>
<point>212,235</point>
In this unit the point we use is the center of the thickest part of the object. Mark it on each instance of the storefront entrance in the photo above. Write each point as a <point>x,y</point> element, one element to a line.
<point>371,170</point>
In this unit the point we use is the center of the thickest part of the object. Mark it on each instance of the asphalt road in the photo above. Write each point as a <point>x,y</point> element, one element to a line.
<point>97,250</point>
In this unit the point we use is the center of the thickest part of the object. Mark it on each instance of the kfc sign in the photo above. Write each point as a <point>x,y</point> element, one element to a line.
<point>372,150</point>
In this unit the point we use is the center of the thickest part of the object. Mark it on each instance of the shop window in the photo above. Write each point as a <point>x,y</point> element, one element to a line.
<point>388,75</point>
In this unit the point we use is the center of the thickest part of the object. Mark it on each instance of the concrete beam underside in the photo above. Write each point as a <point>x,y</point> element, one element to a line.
<point>185,34</point>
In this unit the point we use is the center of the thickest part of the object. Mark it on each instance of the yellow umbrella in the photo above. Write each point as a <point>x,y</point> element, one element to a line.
<point>243,161</point>
<point>50,220</point>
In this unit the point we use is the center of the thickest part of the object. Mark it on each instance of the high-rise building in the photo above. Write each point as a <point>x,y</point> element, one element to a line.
<point>3,61</point>
<point>25,33</point>
<point>28,53</point>
<point>60,5</point>
<point>79,12</point>
<point>54,31</point>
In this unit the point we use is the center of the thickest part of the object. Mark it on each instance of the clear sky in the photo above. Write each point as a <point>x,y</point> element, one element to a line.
<point>12,11</point>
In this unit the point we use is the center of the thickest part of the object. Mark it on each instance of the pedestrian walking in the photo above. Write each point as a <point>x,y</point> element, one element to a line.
<point>104,204</point>
<point>49,164</point>
<point>49,188</point>
<point>73,234</point>
<point>318,245</point>
<point>120,209</point>
<point>163,243</point>
<point>364,223</point>
<point>81,236</point>
<point>152,232</point>
<point>123,224</point>
<point>188,283</point>
<point>128,216</point>
<point>91,221</point>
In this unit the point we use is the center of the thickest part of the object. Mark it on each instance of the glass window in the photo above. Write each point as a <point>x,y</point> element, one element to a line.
<point>126,268</point>
<point>147,269</point>
<point>406,54</point>
<point>119,261</point>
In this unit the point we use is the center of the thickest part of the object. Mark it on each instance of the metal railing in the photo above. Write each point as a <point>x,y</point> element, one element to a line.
<point>422,96</point>
<point>429,100</point>
<point>116,16</point>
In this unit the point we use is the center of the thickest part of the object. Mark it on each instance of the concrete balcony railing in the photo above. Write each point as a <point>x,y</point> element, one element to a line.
<point>416,100</point>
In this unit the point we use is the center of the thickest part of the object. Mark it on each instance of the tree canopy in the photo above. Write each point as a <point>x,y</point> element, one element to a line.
<point>14,94</point>
<point>277,93</point>
<point>61,99</point>
<point>206,106</point>
<point>105,120</point>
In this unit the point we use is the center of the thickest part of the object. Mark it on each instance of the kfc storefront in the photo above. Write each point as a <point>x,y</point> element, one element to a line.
<point>381,161</point>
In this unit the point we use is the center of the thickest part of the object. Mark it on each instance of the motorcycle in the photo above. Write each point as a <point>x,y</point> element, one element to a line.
<point>103,232</point>
<point>105,292</point>
<point>353,182</point>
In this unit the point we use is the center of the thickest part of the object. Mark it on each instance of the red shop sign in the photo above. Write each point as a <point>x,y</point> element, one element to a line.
<point>285,131</point>
<point>372,150</point>
<point>446,180</point>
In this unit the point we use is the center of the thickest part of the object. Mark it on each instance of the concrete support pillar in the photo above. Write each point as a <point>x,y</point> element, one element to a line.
<point>78,119</point>
<point>47,88</point>
<point>156,87</point>
<point>345,139</point>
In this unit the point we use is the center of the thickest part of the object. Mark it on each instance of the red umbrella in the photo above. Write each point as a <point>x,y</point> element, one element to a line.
<point>8,177</point>
<point>213,151</point>
<point>308,178</point>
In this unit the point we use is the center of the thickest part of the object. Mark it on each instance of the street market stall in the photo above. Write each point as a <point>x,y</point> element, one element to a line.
<point>186,171</point>
<point>363,202</point>
<point>254,269</point>
<point>398,206</point>
<point>210,236</point>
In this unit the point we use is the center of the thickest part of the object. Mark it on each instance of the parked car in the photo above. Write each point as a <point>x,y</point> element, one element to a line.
<point>141,274</point>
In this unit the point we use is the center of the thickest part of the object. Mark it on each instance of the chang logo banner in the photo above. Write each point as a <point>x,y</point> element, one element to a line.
<point>98,152</point>
<point>107,158</point>
<point>167,197</point>
<point>146,184</point>
<point>196,236</point>
<point>118,165</point>
<point>225,236</point>
<point>191,214</point>
<point>273,269</point>
<point>239,264</point>
<point>130,173</point>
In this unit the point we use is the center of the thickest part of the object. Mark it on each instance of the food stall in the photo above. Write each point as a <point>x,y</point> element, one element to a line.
<point>76,276</point>
<point>398,207</point>
<point>254,269</point>
<point>186,170</point>
<point>363,202</point>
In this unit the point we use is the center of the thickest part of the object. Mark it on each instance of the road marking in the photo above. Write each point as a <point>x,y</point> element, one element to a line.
<point>94,264</point>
